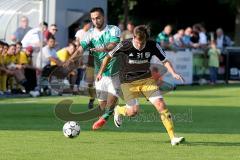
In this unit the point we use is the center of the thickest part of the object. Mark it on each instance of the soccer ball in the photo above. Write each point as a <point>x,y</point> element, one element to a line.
<point>71,129</point>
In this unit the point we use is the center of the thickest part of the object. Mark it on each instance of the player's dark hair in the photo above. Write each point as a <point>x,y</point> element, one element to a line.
<point>142,32</point>
<point>97,9</point>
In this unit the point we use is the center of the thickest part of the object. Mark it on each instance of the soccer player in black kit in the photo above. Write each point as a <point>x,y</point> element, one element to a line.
<point>135,76</point>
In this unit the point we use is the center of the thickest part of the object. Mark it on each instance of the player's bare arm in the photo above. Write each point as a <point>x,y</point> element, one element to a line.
<point>79,51</point>
<point>103,67</point>
<point>170,69</point>
<point>106,48</point>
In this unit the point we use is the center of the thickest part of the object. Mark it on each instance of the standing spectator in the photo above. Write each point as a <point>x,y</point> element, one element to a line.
<point>126,34</point>
<point>82,32</point>
<point>48,55</point>
<point>87,60</point>
<point>21,30</point>
<point>222,40</point>
<point>164,38</point>
<point>213,62</point>
<point>187,37</point>
<point>203,37</point>
<point>178,39</point>
<point>34,37</point>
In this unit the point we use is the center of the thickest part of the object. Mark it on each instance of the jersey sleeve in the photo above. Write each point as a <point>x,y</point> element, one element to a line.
<point>86,41</point>
<point>115,34</point>
<point>161,55</point>
<point>115,50</point>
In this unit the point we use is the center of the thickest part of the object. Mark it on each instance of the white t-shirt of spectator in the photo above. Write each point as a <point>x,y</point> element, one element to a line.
<point>80,34</point>
<point>32,38</point>
<point>43,57</point>
<point>202,38</point>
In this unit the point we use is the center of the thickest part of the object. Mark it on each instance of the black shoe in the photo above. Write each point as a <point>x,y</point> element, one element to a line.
<point>91,103</point>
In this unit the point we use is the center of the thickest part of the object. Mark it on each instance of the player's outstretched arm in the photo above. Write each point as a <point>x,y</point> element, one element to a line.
<point>75,55</point>
<point>170,69</point>
<point>103,67</point>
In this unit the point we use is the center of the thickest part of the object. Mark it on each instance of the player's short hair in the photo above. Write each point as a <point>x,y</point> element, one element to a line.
<point>97,9</point>
<point>142,32</point>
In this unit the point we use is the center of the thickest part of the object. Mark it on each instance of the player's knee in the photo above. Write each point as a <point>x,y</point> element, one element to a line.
<point>160,105</point>
<point>133,111</point>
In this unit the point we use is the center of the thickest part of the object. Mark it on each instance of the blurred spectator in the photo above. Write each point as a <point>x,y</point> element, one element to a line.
<point>202,37</point>
<point>25,60</point>
<point>128,33</point>
<point>80,35</point>
<point>121,26</point>
<point>187,37</point>
<point>63,55</point>
<point>195,36</point>
<point>48,55</point>
<point>178,39</point>
<point>222,40</point>
<point>82,32</point>
<point>213,62</point>
<point>164,38</point>
<point>34,37</point>
<point>21,30</point>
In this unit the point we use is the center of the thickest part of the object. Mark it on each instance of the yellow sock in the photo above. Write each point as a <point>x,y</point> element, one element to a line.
<point>4,83</point>
<point>122,110</point>
<point>167,122</point>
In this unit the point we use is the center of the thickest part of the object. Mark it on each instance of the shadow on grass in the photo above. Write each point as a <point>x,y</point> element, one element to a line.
<point>187,119</point>
<point>219,144</point>
<point>207,87</point>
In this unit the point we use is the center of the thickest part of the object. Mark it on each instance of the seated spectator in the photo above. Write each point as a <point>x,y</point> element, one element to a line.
<point>164,38</point>
<point>63,55</point>
<point>21,30</point>
<point>128,33</point>
<point>25,62</point>
<point>45,58</point>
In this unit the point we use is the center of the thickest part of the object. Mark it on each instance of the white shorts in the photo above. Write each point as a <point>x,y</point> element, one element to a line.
<point>107,85</point>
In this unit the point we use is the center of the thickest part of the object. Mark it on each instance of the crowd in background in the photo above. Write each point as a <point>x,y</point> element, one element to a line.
<point>35,48</point>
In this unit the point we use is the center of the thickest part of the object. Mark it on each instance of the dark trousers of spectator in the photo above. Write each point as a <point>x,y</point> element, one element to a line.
<point>31,77</point>
<point>213,74</point>
<point>80,73</point>
<point>47,70</point>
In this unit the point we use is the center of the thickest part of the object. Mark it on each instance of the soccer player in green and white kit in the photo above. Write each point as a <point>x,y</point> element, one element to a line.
<point>101,39</point>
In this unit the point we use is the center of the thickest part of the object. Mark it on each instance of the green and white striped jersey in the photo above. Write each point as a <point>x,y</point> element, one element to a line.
<point>99,39</point>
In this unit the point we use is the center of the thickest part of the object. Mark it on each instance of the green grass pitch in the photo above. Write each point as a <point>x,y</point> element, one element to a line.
<point>208,116</point>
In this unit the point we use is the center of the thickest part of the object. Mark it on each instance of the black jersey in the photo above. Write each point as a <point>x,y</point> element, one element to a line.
<point>135,64</point>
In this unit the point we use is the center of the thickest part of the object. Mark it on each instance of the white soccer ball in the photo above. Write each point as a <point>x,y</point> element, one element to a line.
<point>71,129</point>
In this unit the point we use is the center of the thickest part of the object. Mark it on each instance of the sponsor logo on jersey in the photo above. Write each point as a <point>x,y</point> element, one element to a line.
<point>137,61</point>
